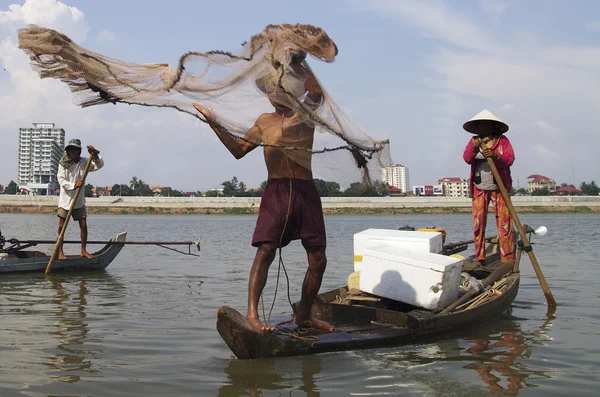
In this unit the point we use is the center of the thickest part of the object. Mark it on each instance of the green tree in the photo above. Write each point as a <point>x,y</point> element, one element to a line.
<point>230,188</point>
<point>321,186</point>
<point>121,190</point>
<point>133,182</point>
<point>356,189</point>
<point>333,189</point>
<point>589,189</point>
<point>541,192</point>
<point>142,189</point>
<point>327,188</point>
<point>241,188</point>
<point>11,188</point>
<point>381,188</point>
<point>87,191</point>
<point>168,192</point>
<point>262,187</point>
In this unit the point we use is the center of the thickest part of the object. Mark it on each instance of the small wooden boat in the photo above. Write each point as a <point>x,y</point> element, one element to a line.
<point>366,321</point>
<point>19,260</point>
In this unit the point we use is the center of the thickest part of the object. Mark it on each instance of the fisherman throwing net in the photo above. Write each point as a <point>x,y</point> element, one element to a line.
<point>270,67</point>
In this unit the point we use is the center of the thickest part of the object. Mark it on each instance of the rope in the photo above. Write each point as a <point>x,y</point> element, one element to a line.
<point>281,263</point>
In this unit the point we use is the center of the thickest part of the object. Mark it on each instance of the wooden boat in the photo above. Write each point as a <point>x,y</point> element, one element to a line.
<point>20,260</point>
<point>364,321</point>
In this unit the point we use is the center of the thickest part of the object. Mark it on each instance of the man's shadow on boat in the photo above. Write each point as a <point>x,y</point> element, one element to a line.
<point>73,358</point>
<point>252,377</point>
<point>391,284</point>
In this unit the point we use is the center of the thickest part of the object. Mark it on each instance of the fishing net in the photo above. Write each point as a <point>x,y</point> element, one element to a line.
<point>237,86</point>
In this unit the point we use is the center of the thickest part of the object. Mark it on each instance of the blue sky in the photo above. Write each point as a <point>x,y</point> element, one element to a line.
<point>411,71</point>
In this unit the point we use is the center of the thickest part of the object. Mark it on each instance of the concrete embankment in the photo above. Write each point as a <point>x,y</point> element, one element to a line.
<point>331,205</point>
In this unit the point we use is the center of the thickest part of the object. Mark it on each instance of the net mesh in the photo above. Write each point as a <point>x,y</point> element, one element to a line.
<point>237,86</point>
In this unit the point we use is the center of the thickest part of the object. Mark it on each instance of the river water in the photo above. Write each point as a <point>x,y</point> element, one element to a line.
<point>146,326</point>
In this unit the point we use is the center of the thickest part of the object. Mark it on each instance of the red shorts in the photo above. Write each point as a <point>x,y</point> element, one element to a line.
<point>305,221</point>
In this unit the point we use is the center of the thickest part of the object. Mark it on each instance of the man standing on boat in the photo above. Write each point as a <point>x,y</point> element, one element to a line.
<point>290,207</point>
<point>70,178</point>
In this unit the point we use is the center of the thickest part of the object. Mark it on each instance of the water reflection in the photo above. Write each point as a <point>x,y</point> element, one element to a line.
<point>253,377</point>
<point>498,358</point>
<point>75,350</point>
<point>496,352</point>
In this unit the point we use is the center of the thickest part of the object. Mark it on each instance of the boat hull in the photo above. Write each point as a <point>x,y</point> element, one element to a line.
<point>36,264</point>
<point>357,326</point>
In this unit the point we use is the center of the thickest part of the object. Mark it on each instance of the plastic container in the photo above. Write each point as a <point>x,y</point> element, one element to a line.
<point>406,240</point>
<point>422,279</point>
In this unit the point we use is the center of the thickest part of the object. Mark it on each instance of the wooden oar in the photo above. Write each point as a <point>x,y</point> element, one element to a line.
<point>526,245</point>
<point>61,235</point>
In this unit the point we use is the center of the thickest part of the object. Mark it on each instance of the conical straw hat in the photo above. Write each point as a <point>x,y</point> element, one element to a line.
<point>471,126</point>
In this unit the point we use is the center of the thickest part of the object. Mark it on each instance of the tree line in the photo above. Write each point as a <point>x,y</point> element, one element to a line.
<point>236,188</point>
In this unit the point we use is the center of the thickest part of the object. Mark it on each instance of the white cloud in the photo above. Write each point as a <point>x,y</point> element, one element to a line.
<point>546,127</point>
<point>435,19</point>
<point>52,14</point>
<point>106,35</point>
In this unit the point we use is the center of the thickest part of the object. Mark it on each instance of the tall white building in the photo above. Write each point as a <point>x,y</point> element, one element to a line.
<point>397,176</point>
<point>40,149</point>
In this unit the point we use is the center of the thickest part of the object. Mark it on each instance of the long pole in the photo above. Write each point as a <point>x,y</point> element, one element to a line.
<point>61,235</point>
<point>526,245</point>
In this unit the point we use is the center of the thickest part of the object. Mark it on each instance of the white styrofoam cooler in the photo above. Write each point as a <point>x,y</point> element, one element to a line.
<point>407,240</point>
<point>422,279</point>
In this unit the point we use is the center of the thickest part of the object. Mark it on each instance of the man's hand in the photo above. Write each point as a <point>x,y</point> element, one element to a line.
<point>475,143</point>
<point>487,152</point>
<point>78,184</point>
<point>208,114</point>
<point>93,151</point>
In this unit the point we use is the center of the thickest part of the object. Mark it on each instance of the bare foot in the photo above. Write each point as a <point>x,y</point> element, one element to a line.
<point>313,322</point>
<point>61,256</point>
<point>85,254</point>
<point>259,326</point>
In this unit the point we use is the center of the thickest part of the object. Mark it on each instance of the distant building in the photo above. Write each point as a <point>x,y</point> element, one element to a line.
<point>568,191</point>
<point>454,187</point>
<point>538,182</point>
<point>394,191</point>
<point>397,176</point>
<point>40,149</point>
<point>103,190</point>
<point>156,189</point>
<point>428,190</point>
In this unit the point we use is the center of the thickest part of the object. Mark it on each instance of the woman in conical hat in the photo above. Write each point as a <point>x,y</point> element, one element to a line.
<point>490,141</point>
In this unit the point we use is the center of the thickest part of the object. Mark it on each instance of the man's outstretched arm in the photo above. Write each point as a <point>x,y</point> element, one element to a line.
<point>238,147</point>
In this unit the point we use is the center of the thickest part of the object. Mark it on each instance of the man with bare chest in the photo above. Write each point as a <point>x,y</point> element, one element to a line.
<point>290,207</point>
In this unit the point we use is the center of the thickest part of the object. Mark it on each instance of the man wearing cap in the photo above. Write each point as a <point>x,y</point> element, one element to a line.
<point>490,142</point>
<point>70,174</point>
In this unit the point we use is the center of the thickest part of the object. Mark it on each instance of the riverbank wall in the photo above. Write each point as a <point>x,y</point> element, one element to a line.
<point>331,205</point>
